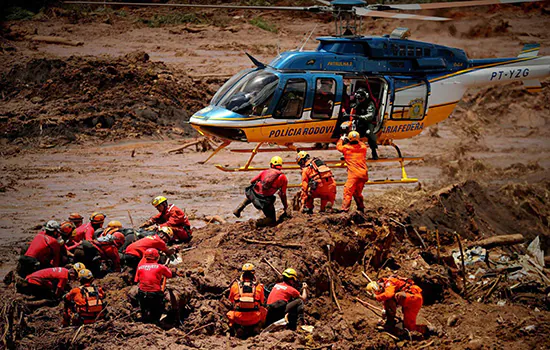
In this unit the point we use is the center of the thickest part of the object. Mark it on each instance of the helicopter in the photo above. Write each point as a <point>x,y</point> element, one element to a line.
<point>304,96</point>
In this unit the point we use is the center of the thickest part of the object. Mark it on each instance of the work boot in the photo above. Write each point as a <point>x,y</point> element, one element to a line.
<point>237,212</point>
<point>374,154</point>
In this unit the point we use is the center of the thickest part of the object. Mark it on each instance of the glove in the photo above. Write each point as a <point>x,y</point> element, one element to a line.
<point>368,132</point>
<point>304,285</point>
<point>152,228</point>
<point>145,224</point>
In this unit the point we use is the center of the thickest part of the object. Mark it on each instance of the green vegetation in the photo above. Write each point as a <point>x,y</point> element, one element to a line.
<point>172,19</point>
<point>263,24</point>
<point>17,13</point>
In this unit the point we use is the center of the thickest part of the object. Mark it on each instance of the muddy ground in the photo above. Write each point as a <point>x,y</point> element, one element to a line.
<point>88,127</point>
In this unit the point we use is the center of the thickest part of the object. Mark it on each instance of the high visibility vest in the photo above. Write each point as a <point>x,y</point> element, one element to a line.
<point>247,293</point>
<point>322,173</point>
<point>90,311</point>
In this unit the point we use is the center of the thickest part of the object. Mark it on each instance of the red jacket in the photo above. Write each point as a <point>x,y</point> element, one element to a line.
<point>84,232</point>
<point>108,251</point>
<point>139,247</point>
<point>176,219</point>
<point>150,274</point>
<point>47,277</point>
<point>45,249</point>
<point>279,184</point>
<point>282,291</point>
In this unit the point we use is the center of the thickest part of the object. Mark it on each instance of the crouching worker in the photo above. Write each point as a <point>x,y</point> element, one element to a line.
<point>317,182</point>
<point>135,252</point>
<point>169,216</point>
<point>247,297</point>
<point>152,280</point>
<point>285,301</point>
<point>49,283</point>
<point>261,192</point>
<point>395,291</point>
<point>84,304</point>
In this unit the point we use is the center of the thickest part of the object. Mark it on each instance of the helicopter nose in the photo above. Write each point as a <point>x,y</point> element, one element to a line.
<point>218,122</point>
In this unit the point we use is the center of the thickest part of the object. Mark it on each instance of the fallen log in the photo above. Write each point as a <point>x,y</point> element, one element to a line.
<point>280,244</point>
<point>53,40</point>
<point>272,267</point>
<point>497,241</point>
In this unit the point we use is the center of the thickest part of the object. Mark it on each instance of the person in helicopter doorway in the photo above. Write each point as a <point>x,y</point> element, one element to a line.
<point>365,116</point>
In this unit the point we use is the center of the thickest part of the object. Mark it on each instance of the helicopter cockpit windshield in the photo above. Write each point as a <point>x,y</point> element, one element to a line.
<point>251,95</point>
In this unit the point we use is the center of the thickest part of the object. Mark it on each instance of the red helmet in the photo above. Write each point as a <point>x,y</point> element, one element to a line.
<point>119,239</point>
<point>151,254</point>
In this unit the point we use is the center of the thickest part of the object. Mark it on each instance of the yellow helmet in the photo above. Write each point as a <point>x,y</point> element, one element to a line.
<point>248,267</point>
<point>158,200</point>
<point>79,267</point>
<point>301,156</point>
<point>168,231</point>
<point>353,136</point>
<point>373,287</point>
<point>290,273</point>
<point>276,161</point>
<point>85,274</point>
<point>114,223</point>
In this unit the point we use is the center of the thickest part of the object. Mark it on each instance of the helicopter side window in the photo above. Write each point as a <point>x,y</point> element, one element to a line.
<point>410,100</point>
<point>323,101</point>
<point>291,103</point>
<point>402,50</point>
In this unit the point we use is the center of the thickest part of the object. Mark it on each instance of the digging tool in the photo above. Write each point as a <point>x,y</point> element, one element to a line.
<point>366,276</point>
<point>376,310</point>
<point>272,267</point>
<point>130,217</point>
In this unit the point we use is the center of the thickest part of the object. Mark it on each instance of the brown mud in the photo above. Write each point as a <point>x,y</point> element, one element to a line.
<point>87,128</point>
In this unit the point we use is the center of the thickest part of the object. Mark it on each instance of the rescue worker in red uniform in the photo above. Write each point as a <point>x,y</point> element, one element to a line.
<point>317,182</point>
<point>100,256</point>
<point>136,251</point>
<point>393,291</point>
<point>285,301</point>
<point>86,232</point>
<point>66,229</point>
<point>84,304</point>
<point>355,153</point>
<point>76,219</point>
<point>43,252</point>
<point>152,280</point>
<point>170,216</point>
<point>262,192</point>
<point>49,283</point>
<point>246,294</point>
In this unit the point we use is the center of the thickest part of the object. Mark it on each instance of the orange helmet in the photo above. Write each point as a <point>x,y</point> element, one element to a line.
<point>75,217</point>
<point>97,218</point>
<point>114,223</point>
<point>67,228</point>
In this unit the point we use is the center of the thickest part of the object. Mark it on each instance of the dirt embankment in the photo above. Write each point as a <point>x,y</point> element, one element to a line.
<point>61,101</point>
<point>382,242</point>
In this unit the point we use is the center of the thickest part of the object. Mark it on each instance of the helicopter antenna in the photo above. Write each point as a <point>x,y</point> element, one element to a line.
<point>307,39</point>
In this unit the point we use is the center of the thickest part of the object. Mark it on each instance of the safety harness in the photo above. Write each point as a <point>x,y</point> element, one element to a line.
<point>408,287</point>
<point>93,307</point>
<point>247,301</point>
<point>322,173</point>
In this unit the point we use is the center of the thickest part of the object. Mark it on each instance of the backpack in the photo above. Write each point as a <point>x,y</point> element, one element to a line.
<point>322,172</point>
<point>269,179</point>
<point>90,311</point>
<point>247,293</point>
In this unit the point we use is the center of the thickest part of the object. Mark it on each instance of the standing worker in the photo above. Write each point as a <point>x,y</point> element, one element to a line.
<point>170,216</point>
<point>152,278</point>
<point>365,114</point>
<point>285,300</point>
<point>262,192</point>
<point>355,153</point>
<point>317,182</point>
<point>393,291</point>
<point>247,297</point>
<point>43,252</point>
<point>84,304</point>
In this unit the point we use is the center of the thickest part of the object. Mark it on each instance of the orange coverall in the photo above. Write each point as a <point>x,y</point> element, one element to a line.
<point>398,292</point>
<point>326,188</point>
<point>247,318</point>
<point>355,156</point>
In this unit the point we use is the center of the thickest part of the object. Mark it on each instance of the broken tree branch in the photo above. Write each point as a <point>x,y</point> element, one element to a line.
<point>486,296</point>
<point>272,267</point>
<point>497,241</point>
<point>199,328</point>
<point>280,244</point>
<point>376,310</point>
<point>332,292</point>
<point>464,278</point>
<point>53,40</point>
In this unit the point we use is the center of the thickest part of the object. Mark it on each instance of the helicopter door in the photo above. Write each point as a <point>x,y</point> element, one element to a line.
<point>408,107</point>
<point>326,102</point>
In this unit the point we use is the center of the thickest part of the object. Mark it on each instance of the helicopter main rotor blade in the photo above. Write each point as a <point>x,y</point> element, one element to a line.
<point>324,2</point>
<point>372,13</point>
<point>280,8</point>
<point>442,5</point>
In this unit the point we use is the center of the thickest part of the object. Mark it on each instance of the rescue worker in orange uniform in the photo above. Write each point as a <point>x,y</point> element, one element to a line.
<point>84,304</point>
<point>262,192</point>
<point>86,232</point>
<point>285,300</point>
<point>43,252</point>
<point>112,227</point>
<point>100,256</point>
<point>135,252</point>
<point>169,216</point>
<point>49,283</point>
<point>317,182</point>
<point>76,219</point>
<point>355,153</point>
<point>393,291</point>
<point>152,278</point>
<point>247,297</point>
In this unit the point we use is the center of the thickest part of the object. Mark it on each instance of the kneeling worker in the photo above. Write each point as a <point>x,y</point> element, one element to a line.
<point>151,277</point>
<point>247,296</point>
<point>49,283</point>
<point>84,304</point>
<point>285,300</point>
<point>170,216</point>
<point>262,192</point>
<point>395,291</point>
<point>317,182</point>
